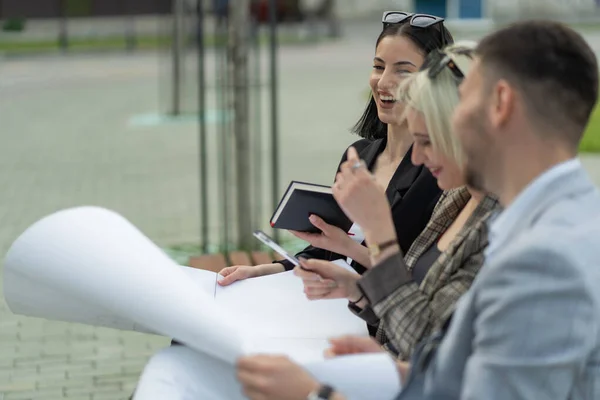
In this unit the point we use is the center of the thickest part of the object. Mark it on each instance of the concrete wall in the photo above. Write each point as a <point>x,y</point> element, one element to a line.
<point>358,8</point>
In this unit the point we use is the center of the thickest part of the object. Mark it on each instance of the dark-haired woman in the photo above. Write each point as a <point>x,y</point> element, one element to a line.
<point>386,147</point>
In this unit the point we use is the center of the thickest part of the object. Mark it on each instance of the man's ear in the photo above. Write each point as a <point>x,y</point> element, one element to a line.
<point>502,104</point>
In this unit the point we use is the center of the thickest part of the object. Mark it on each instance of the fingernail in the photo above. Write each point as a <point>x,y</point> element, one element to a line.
<point>311,217</point>
<point>332,284</point>
<point>303,261</point>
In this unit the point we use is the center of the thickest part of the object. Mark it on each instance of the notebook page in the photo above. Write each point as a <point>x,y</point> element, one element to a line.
<point>275,306</point>
<point>205,280</point>
<point>360,376</point>
<point>196,376</point>
<point>301,351</point>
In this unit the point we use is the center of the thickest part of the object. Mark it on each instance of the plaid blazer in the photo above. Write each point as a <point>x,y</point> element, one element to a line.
<point>412,312</point>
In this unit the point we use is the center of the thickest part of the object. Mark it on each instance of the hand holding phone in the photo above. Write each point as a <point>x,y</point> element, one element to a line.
<point>263,237</point>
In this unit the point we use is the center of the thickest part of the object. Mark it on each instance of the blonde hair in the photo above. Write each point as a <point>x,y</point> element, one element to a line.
<point>435,98</point>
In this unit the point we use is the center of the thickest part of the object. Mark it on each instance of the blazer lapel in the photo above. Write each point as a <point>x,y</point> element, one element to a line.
<point>450,260</point>
<point>369,154</point>
<point>403,178</point>
<point>449,206</point>
<point>481,212</point>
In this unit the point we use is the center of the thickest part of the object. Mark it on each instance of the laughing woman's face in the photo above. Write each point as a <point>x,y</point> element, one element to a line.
<point>395,57</point>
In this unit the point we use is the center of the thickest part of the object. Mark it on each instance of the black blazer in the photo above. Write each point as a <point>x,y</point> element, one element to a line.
<point>412,192</point>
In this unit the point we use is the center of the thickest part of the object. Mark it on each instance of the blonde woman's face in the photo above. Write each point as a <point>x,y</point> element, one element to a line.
<point>395,58</point>
<point>448,173</point>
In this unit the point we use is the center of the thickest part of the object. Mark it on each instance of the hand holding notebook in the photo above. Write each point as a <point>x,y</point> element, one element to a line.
<point>304,199</point>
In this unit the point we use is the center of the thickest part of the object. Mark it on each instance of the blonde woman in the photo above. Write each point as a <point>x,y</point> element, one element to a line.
<point>410,300</point>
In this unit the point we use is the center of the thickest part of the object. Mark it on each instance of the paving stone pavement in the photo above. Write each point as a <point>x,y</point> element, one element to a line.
<point>66,140</point>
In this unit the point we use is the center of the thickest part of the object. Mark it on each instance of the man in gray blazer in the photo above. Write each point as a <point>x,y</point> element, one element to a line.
<point>529,327</point>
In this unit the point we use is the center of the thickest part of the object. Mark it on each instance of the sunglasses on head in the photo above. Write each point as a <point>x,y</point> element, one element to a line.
<point>439,60</point>
<point>416,20</point>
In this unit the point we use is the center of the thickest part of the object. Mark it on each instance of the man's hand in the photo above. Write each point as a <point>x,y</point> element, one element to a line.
<point>346,345</point>
<point>325,280</point>
<point>241,272</point>
<point>403,370</point>
<point>363,199</point>
<point>274,378</point>
<point>352,345</point>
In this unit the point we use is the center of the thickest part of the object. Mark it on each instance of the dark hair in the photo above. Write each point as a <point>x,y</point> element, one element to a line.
<point>426,39</point>
<point>554,69</point>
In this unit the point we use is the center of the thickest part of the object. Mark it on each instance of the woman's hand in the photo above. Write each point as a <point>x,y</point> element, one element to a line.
<point>325,280</point>
<point>334,239</point>
<point>363,199</point>
<point>331,237</point>
<point>241,272</point>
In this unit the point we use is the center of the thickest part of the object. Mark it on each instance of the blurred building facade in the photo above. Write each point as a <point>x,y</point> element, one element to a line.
<point>291,10</point>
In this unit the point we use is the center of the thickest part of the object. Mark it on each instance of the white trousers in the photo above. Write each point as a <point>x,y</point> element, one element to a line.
<point>180,373</point>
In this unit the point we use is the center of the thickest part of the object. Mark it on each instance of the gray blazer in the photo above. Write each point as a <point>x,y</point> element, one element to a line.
<point>529,327</point>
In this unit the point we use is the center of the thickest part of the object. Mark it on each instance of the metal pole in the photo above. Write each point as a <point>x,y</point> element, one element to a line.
<point>257,133</point>
<point>202,159</point>
<point>130,39</point>
<point>274,109</point>
<point>177,47</point>
<point>63,35</point>
<point>222,104</point>
<point>238,65</point>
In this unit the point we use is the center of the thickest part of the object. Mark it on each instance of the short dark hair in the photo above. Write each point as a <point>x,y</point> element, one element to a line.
<point>552,66</point>
<point>369,126</point>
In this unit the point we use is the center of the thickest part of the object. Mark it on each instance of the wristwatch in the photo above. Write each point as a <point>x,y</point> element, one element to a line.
<point>325,392</point>
<point>376,249</point>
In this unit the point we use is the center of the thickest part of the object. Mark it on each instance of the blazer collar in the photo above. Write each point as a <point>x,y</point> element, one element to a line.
<point>562,183</point>
<point>445,212</point>
<point>405,175</point>
<point>479,216</point>
<point>369,154</point>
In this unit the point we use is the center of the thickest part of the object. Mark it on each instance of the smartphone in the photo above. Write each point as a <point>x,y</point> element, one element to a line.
<point>263,237</point>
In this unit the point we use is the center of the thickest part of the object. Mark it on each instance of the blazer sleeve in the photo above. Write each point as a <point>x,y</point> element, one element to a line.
<point>407,312</point>
<point>315,252</point>
<point>535,326</point>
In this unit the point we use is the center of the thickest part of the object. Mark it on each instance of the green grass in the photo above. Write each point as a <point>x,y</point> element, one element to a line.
<point>119,42</point>
<point>109,43</point>
<point>591,138</point>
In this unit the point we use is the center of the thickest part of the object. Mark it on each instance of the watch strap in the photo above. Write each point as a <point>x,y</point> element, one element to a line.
<point>325,392</point>
<point>375,249</point>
